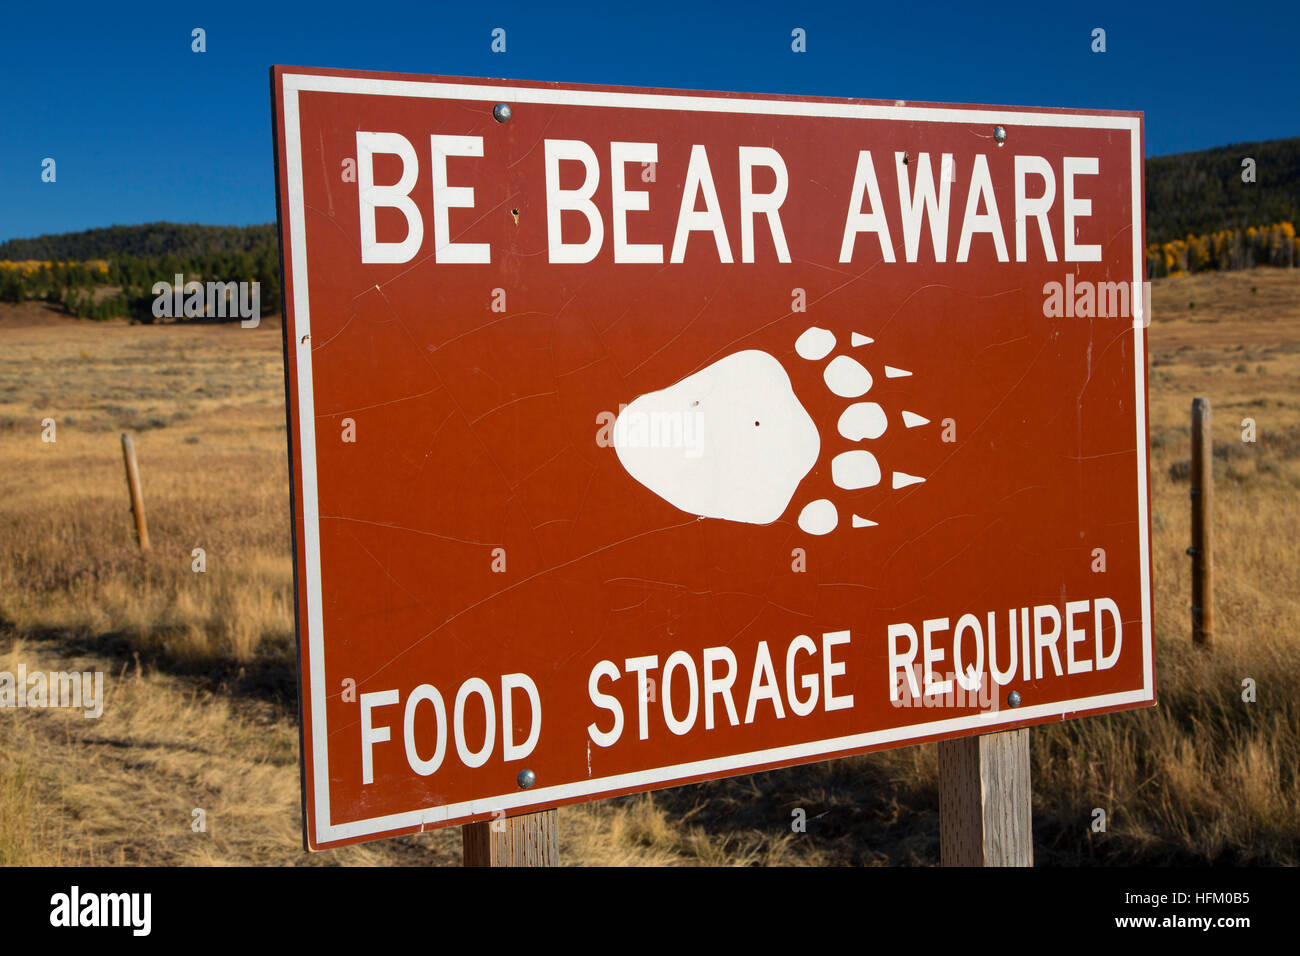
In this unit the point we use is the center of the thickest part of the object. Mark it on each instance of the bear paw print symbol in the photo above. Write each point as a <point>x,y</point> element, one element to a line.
<point>733,441</point>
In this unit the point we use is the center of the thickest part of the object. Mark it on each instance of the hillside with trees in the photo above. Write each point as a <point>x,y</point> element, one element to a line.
<point>1197,194</point>
<point>183,240</point>
<point>107,273</point>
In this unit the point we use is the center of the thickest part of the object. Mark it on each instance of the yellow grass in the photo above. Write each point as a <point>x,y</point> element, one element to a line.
<point>199,666</point>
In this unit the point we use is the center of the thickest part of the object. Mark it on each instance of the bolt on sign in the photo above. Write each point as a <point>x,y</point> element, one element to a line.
<point>643,436</point>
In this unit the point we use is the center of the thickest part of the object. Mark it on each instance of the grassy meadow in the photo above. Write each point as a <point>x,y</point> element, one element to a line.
<point>200,710</point>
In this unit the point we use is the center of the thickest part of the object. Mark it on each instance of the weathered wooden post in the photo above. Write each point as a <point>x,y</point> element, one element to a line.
<point>1202,493</point>
<point>137,496</point>
<point>529,839</point>
<point>984,800</point>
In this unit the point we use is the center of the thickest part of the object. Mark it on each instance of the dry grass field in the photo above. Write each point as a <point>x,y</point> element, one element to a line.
<point>200,691</point>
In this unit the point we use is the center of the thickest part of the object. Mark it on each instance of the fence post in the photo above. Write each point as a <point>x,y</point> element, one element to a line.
<point>529,839</point>
<point>984,800</point>
<point>137,496</point>
<point>1202,493</point>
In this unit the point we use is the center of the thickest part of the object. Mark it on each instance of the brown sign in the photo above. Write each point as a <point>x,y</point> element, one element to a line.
<point>642,437</point>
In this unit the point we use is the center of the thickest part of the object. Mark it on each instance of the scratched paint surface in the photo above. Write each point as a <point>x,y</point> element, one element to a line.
<point>478,430</point>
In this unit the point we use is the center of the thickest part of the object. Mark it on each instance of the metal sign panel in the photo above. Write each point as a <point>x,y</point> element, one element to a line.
<point>642,437</point>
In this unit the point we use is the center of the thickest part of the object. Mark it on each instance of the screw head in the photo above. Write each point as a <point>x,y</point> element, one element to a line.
<point>526,778</point>
<point>501,113</point>
<point>999,135</point>
<point>1013,698</point>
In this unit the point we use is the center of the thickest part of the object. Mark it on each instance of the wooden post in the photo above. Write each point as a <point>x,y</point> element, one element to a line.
<point>984,800</point>
<point>1202,493</point>
<point>137,496</point>
<point>530,839</point>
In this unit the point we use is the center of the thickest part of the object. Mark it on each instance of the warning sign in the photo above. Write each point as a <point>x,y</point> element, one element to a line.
<point>642,437</point>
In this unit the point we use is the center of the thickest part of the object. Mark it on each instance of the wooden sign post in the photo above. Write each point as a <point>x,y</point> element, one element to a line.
<point>984,800</point>
<point>529,839</point>
<point>1202,493</point>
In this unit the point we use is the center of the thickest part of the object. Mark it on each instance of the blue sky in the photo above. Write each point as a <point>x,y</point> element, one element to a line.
<point>143,129</point>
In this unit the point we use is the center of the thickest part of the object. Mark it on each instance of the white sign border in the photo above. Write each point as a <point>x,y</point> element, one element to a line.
<point>292,83</point>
